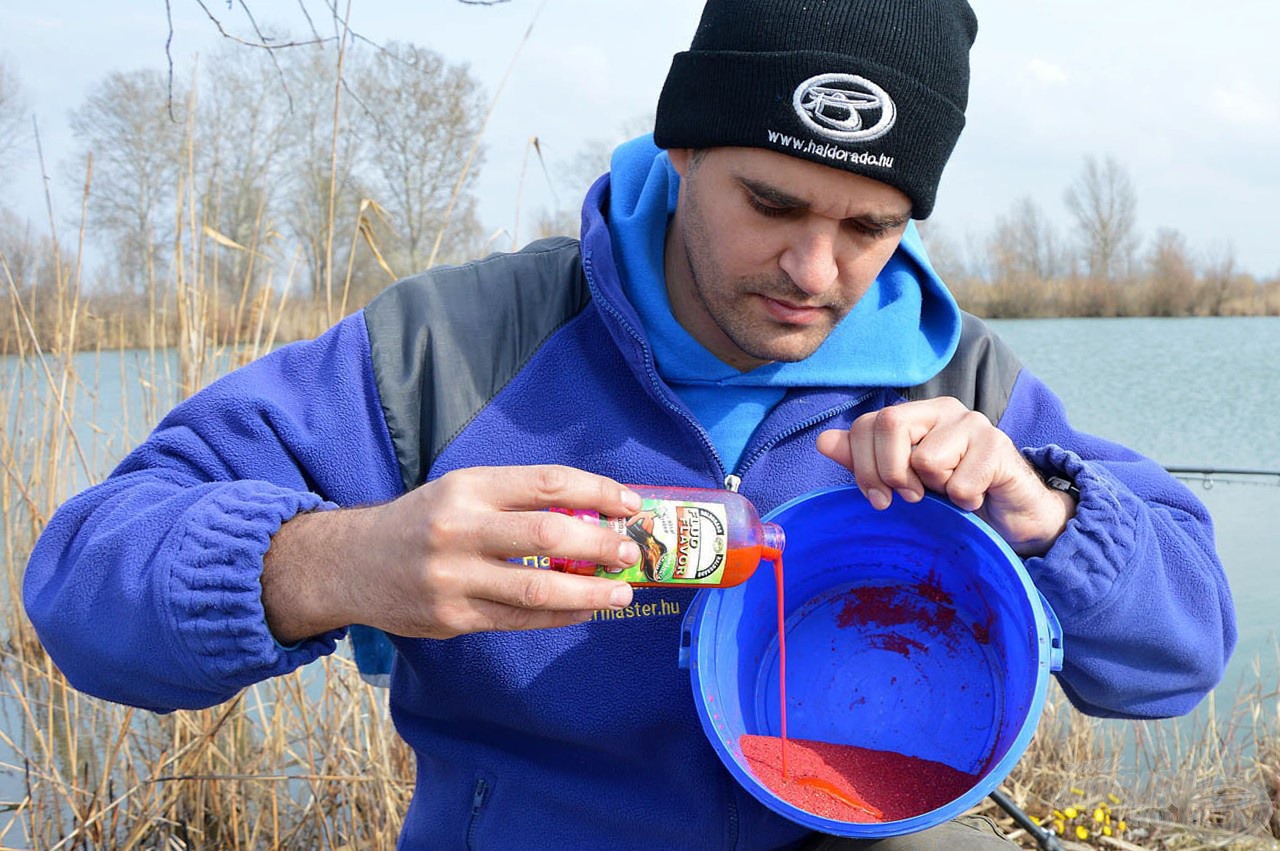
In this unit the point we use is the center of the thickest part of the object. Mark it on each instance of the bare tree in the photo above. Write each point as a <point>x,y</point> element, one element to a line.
<point>1104,205</point>
<point>426,117</point>
<point>13,108</point>
<point>242,142</point>
<point>137,151</point>
<point>1171,276</point>
<point>1219,278</point>
<point>347,158</point>
<point>945,253</point>
<point>323,189</point>
<point>1024,246</point>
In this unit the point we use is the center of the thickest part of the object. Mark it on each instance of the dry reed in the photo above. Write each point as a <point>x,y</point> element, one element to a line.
<point>310,760</point>
<point>306,761</point>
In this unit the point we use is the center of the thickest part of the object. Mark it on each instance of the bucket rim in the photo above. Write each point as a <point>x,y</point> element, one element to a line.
<point>706,606</point>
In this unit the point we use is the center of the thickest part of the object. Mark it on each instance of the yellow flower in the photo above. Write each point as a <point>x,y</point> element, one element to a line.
<point>1081,833</point>
<point>1071,812</point>
<point>1112,798</point>
<point>1059,826</point>
<point>1077,791</point>
<point>1099,814</point>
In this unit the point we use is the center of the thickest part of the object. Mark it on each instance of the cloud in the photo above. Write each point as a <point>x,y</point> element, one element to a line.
<point>1046,72</point>
<point>1244,106</point>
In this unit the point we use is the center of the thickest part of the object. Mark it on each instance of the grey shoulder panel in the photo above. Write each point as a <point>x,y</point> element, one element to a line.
<point>981,374</point>
<point>443,343</point>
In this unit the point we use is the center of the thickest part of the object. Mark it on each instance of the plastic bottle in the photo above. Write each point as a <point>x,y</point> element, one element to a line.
<point>704,537</point>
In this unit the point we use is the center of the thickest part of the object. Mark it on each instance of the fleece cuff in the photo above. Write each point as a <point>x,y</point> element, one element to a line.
<point>215,586</point>
<point>1088,563</point>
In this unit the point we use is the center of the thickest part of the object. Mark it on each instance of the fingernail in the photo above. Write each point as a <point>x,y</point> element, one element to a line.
<point>878,498</point>
<point>910,495</point>
<point>620,596</point>
<point>632,500</point>
<point>629,552</point>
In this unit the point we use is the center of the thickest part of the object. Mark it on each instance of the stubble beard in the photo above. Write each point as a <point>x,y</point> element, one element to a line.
<point>762,339</point>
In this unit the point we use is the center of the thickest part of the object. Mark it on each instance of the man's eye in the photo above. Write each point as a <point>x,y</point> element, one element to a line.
<point>767,209</point>
<point>873,229</point>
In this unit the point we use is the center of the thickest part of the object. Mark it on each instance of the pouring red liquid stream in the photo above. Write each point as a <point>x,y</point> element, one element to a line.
<point>819,783</point>
<point>782,658</point>
<point>903,785</point>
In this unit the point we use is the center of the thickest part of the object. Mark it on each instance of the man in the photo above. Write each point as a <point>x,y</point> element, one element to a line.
<point>748,296</point>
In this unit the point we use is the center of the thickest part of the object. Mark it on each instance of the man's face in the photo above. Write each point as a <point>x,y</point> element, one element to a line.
<point>767,253</point>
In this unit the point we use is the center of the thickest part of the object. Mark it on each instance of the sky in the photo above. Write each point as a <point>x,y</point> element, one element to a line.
<point>1185,96</point>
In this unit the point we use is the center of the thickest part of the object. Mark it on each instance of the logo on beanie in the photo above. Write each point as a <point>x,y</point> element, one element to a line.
<point>839,106</point>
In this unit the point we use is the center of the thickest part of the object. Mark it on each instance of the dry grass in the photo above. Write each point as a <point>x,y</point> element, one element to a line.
<point>310,760</point>
<point>1206,781</point>
<point>307,761</point>
<point>301,762</point>
<point>1041,298</point>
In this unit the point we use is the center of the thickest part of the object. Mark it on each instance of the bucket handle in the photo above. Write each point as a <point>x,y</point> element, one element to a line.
<point>686,630</point>
<point>1055,633</point>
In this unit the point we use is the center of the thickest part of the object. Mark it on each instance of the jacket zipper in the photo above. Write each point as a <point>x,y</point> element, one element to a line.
<point>477,804</point>
<point>733,816</point>
<point>734,480</point>
<point>655,381</point>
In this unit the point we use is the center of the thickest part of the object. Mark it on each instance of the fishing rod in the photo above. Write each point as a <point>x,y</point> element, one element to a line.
<point>1210,476</point>
<point>1046,839</point>
<point>1221,471</point>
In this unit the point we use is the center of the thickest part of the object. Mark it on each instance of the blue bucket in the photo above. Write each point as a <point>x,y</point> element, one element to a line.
<point>968,696</point>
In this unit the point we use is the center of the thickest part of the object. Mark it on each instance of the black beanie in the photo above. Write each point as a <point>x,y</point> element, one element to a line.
<point>875,87</point>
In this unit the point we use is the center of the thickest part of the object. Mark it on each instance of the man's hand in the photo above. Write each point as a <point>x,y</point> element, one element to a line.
<point>942,446</point>
<point>434,563</point>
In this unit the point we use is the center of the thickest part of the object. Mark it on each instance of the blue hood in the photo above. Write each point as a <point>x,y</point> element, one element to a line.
<point>902,332</point>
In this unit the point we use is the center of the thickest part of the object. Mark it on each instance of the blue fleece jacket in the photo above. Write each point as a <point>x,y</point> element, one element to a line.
<point>145,588</point>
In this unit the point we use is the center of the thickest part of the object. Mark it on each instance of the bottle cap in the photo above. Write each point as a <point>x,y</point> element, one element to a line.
<point>774,540</point>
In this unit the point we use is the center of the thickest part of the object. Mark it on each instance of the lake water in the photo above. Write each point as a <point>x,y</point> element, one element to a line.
<point>1198,392</point>
<point>1194,393</point>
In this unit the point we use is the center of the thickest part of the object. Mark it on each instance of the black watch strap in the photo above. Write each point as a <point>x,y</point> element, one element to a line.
<point>1058,483</point>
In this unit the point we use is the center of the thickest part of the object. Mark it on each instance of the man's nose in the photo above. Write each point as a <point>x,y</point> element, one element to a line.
<point>810,260</point>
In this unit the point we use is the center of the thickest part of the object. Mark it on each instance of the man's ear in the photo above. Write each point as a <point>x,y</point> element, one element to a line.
<point>680,158</point>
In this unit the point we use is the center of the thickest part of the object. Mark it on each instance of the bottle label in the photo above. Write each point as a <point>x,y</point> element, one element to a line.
<point>680,542</point>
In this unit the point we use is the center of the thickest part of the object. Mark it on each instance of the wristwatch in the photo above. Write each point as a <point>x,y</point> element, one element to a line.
<point>1058,483</point>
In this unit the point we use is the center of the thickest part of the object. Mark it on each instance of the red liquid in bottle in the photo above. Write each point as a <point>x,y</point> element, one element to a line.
<point>703,537</point>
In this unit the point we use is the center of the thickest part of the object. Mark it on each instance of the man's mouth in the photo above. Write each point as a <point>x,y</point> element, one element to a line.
<point>791,313</point>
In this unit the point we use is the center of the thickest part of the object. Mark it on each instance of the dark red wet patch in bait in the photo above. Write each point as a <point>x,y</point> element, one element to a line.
<point>852,784</point>
<point>897,643</point>
<point>981,633</point>
<point>887,605</point>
